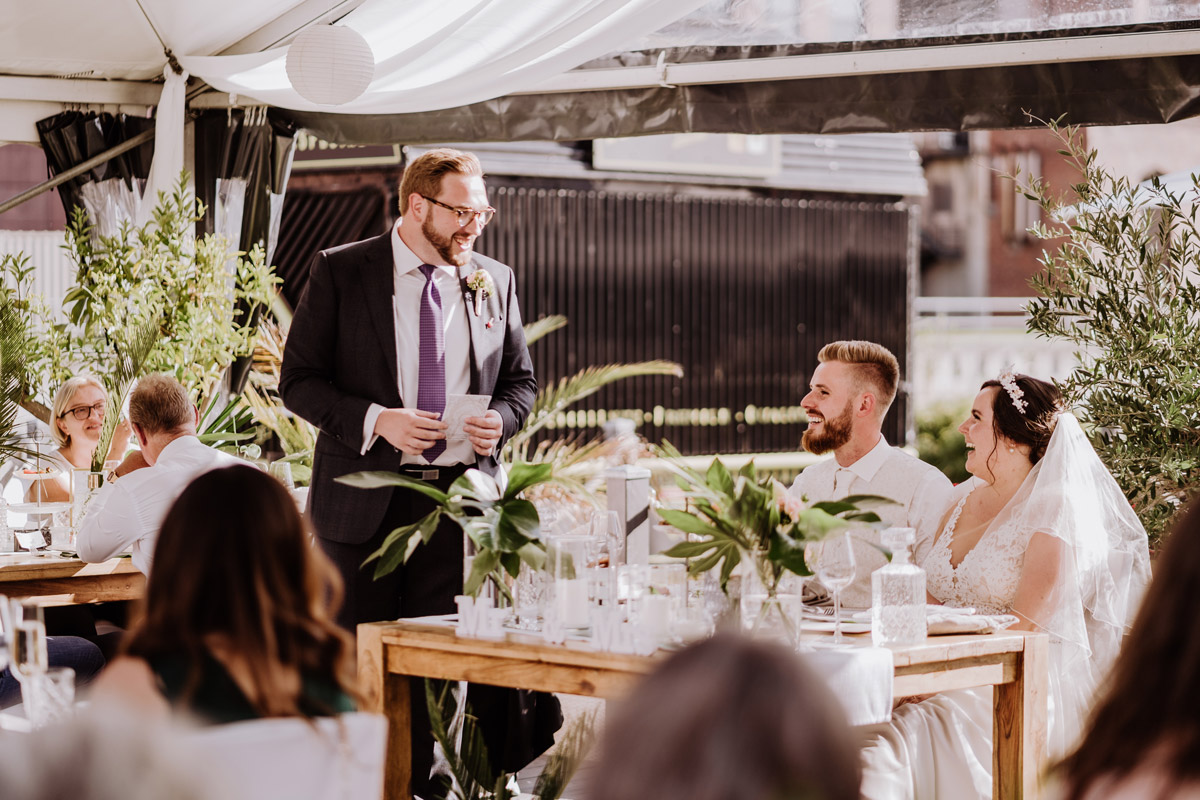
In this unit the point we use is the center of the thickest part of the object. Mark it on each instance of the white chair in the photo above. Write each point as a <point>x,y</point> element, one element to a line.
<point>338,758</point>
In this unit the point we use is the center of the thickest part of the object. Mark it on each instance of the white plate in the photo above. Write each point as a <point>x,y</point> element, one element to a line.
<point>37,508</point>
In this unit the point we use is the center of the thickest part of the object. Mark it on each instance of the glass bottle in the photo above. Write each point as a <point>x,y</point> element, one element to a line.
<point>898,594</point>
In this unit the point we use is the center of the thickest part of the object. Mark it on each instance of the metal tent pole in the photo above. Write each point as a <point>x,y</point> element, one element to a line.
<point>79,169</point>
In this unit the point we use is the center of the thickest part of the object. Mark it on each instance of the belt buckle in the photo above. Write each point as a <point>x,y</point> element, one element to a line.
<point>424,474</point>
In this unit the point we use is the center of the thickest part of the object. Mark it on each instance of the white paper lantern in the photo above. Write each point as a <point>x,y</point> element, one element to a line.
<point>330,64</point>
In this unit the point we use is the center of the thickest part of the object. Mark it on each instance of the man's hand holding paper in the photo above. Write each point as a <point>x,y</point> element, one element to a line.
<point>467,417</point>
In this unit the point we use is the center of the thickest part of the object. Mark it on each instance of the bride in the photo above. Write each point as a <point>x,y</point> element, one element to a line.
<point>1043,532</point>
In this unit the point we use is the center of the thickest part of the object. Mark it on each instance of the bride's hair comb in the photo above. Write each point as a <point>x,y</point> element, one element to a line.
<point>1008,380</point>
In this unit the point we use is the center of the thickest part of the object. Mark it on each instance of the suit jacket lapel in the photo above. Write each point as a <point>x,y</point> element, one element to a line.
<point>379,286</point>
<point>475,321</point>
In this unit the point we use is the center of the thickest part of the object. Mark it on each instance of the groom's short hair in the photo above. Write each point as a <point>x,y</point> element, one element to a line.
<point>874,366</point>
<point>424,175</point>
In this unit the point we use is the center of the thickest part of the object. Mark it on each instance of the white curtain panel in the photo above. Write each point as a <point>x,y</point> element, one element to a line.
<point>434,54</point>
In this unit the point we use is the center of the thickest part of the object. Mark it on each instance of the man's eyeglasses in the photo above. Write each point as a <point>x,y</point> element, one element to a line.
<point>83,412</point>
<point>465,215</point>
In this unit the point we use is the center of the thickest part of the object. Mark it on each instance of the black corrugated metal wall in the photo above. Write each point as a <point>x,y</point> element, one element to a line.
<point>742,292</point>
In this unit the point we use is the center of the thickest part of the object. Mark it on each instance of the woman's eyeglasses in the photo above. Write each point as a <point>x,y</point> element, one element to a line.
<point>83,412</point>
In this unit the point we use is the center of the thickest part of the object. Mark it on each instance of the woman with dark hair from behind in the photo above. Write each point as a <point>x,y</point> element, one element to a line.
<point>239,611</point>
<point>1144,736</point>
<point>728,719</point>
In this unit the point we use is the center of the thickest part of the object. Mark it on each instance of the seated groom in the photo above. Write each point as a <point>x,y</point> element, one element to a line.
<point>127,512</point>
<point>850,393</point>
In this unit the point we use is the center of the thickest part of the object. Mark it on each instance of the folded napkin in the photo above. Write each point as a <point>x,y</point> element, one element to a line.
<point>860,678</point>
<point>947,621</point>
<point>944,620</point>
<point>815,594</point>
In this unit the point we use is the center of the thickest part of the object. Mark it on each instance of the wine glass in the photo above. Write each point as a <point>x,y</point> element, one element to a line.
<point>834,560</point>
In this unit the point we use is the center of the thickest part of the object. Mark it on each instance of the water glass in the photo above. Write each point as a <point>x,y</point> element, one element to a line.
<point>26,629</point>
<point>282,472</point>
<point>48,696</point>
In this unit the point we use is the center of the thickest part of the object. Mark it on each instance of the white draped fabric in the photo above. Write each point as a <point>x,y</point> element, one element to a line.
<point>430,54</point>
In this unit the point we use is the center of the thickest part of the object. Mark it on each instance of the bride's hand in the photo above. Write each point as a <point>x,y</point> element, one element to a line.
<point>915,698</point>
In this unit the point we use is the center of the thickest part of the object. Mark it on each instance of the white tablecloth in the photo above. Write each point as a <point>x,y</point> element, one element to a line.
<point>860,678</point>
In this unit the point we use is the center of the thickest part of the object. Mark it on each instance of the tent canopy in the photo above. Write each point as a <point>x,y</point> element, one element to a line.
<point>551,69</point>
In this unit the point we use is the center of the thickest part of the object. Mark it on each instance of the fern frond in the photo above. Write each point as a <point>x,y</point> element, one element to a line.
<point>540,327</point>
<point>14,339</point>
<point>127,366</point>
<point>551,400</point>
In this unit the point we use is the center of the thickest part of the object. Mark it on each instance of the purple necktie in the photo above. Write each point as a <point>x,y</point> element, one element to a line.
<point>431,379</point>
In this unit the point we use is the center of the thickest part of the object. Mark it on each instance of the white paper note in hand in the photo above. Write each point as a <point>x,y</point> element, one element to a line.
<point>458,408</point>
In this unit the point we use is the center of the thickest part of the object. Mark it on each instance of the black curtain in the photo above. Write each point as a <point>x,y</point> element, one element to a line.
<point>253,146</point>
<point>72,137</point>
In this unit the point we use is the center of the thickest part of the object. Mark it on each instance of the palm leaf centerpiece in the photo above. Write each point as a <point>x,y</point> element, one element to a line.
<point>743,515</point>
<point>503,527</point>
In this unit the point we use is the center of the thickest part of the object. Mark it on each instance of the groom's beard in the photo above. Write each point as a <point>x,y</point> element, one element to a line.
<point>444,245</point>
<point>833,434</point>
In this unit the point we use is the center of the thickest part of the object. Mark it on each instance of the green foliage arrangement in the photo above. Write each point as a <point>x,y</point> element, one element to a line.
<point>198,295</point>
<point>747,515</point>
<point>504,527</point>
<point>1120,282</point>
<point>471,775</point>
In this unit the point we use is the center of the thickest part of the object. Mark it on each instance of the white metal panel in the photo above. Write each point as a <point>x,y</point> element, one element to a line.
<point>54,270</point>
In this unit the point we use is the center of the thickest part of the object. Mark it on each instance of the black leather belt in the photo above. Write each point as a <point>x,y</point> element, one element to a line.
<point>422,473</point>
<point>434,473</point>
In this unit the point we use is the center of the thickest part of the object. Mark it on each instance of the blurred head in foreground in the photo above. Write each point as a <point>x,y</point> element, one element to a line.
<point>729,719</point>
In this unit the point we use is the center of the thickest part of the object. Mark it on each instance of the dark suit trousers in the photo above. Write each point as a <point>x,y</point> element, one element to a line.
<point>424,586</point>
<point>516,726</point>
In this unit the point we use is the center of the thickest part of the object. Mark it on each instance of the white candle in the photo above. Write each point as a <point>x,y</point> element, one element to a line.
<point>655,615</point>
<point>571,595</point>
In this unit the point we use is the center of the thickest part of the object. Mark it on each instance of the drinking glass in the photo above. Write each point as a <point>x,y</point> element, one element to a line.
<point>26,639</point>
<point>569,557</point>
<point>48,696</point>
<point>834,561</point>
<point>282,472</point>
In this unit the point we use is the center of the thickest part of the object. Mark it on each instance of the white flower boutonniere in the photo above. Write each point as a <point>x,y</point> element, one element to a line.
<point>480,283</point>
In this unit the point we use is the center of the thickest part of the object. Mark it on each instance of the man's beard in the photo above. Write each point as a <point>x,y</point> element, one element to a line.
<point>444,245</point>
<point>834,433</point>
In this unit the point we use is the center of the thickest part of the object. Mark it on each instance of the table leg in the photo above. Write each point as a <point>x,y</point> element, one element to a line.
<point>388,694</point>
<point>1019,725</point>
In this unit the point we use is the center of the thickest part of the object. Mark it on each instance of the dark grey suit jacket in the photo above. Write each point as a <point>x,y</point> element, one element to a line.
<point>341,357</point>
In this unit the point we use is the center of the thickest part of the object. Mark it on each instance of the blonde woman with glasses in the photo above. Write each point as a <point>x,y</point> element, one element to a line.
<point>76,418</point>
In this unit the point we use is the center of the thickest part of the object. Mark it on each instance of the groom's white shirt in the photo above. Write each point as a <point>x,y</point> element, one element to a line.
<point>922,492</point>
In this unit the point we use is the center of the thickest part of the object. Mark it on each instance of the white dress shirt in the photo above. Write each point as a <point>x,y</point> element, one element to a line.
<point>922,493</point>
<point>127,513</point>
<point>406,310</point>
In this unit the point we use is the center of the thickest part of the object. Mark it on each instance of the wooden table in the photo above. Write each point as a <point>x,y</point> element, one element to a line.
<point>64,581</point>
<point>388,652</point>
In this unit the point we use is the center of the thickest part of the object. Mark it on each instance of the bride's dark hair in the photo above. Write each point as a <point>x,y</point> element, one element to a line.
<point>1031,425</point>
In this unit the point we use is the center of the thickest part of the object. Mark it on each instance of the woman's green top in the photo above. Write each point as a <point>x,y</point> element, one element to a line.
<point>218,699</point>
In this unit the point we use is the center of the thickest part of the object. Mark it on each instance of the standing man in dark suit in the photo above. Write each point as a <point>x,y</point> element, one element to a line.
<point>387,328</point>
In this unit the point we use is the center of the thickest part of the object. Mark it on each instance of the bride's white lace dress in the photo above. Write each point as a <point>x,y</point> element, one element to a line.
<point>942,747</point>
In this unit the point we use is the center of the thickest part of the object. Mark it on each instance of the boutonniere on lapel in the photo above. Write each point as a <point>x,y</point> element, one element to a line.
<point>481,285</point>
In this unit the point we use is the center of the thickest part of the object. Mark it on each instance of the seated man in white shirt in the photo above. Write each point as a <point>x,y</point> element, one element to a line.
<point>127,513</point>
<point>850,393</point>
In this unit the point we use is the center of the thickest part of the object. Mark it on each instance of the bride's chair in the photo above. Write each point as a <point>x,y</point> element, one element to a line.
<point>330,758</point>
